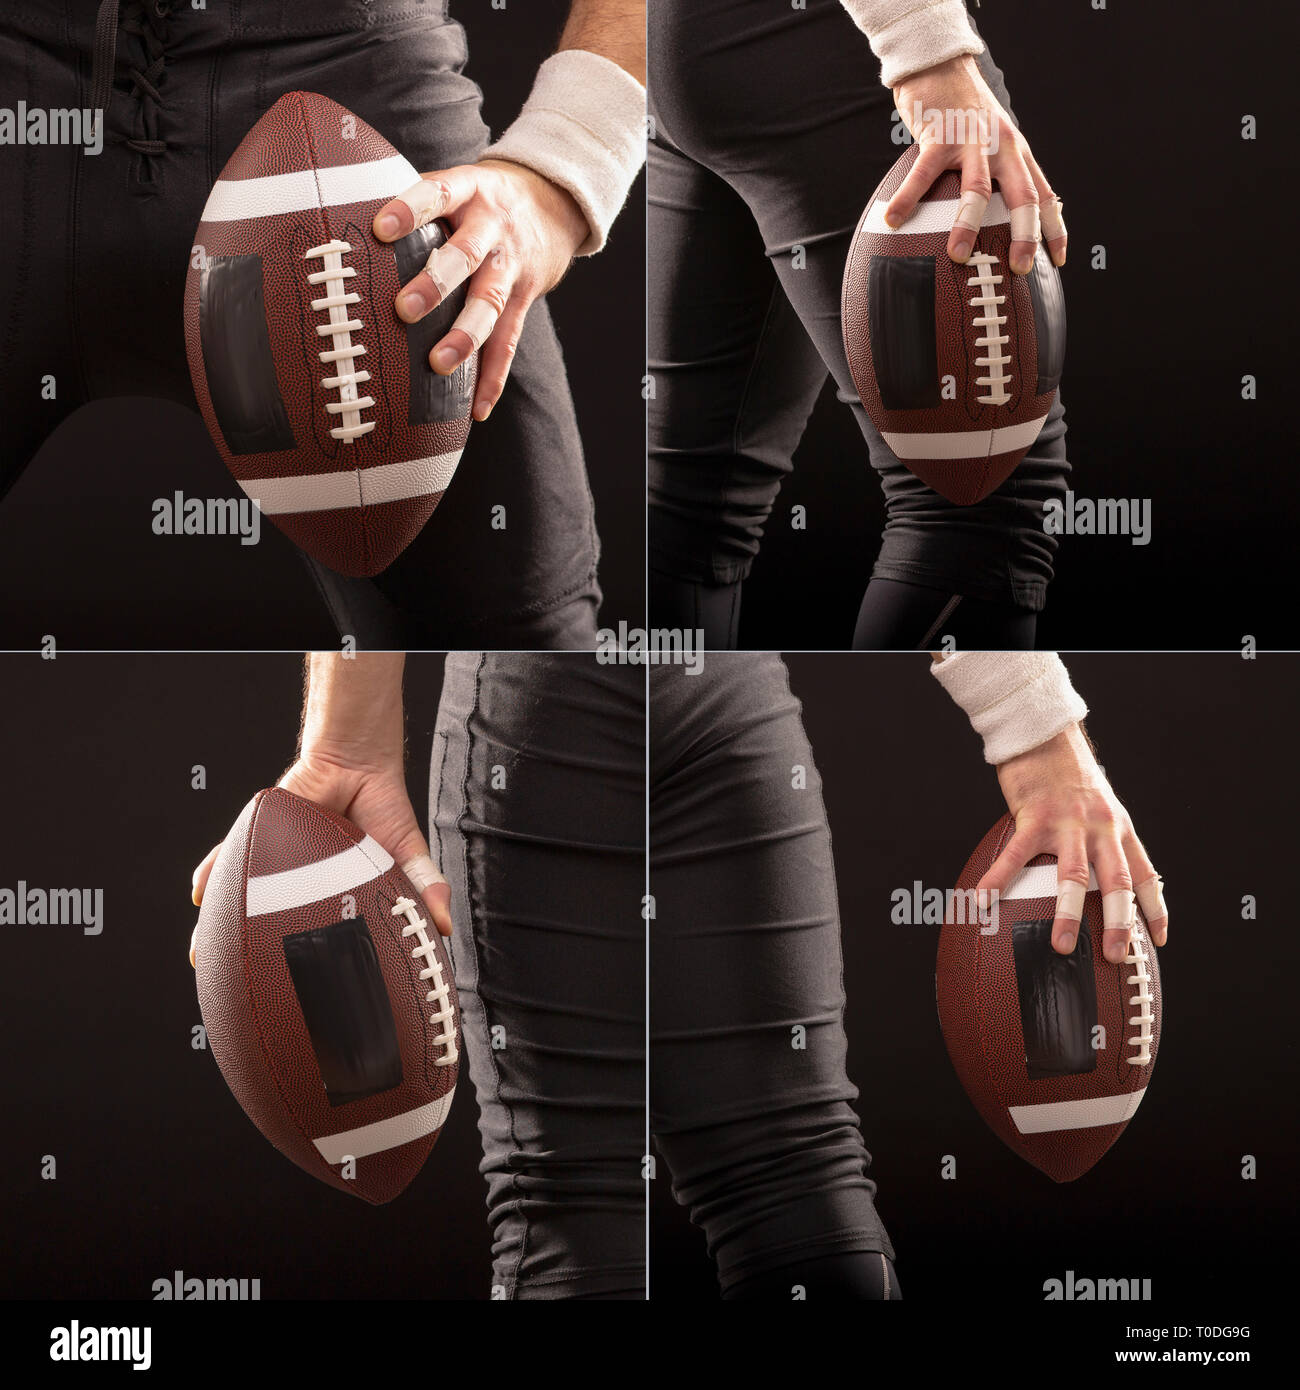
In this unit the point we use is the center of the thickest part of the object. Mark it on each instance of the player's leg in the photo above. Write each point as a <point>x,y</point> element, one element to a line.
<point>751,1105</point>
<point>734,379</point>
<point>537,814</point>
<point>42,382</point>
<point>805,156</point>
<point>891,608</point>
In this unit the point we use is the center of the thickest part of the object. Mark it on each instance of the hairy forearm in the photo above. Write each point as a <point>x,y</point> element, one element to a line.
<point>352,707</point>
<point>615,29</point>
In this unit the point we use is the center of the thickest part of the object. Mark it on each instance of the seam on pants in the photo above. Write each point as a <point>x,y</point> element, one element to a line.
<point>945,613</point>
<point>512,1278</point>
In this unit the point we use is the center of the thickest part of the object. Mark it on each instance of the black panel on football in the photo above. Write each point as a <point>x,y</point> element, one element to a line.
<point>904,352</point>
<point>1058,1001</point>
<point>433,397</point>
<point>1048,297</point>
<point>340,986</point>
<point>237,357</point>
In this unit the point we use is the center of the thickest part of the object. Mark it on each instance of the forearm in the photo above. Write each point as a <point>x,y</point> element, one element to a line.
<point>613,28</point>
<point>352,708</point>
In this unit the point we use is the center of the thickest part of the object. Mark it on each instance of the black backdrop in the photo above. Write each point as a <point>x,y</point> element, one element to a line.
<point>78,558</point>
<point>1202,750</point>
<point>1135,113</point>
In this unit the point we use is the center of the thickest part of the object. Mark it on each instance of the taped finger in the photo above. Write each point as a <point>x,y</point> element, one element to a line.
<point>476,320</point>
<point>448,267</point>
<point>1051,215</point>
<point>423,872</point>
<point>1151,898</point>
<point>1119,910</point>
<point>971,210</point>
<point>1026,224</point>
<point>1069,900</point>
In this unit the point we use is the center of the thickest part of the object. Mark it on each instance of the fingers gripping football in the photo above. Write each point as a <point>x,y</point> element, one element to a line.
<point>514,235</point>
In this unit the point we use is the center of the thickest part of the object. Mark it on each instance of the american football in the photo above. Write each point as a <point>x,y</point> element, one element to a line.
<point>321,401</point>
<point>327,996</point>
<point>957,365</point>
<point>1055,1051</point>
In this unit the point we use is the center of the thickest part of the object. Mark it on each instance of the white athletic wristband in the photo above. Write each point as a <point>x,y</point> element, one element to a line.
<point>1015,700</point>
<point>583,127</point>
<point>909,35</point>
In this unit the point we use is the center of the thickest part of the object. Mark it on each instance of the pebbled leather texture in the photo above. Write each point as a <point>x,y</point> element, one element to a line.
<point>995,437</point>
<point>307,141</point>
<point>254,1019</point>
<point>979,1003</point>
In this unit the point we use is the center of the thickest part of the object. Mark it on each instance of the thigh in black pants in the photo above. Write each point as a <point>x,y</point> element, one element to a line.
<point>537,816</point>
<point>750,1103</point>
<point>771,131</point>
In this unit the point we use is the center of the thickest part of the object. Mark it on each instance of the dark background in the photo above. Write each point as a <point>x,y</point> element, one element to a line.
<point>1202,751</point>
<point>158,1168</point>
<point>78,557</point>
<point>1134,113</point>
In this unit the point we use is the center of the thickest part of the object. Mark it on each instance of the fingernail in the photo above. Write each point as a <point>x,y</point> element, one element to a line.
<point>1116,951</point>
<point>387,225</point>
<point>482,411</point>
<point>410,307</point>
<point>961,250</point>
<point>892,219</point>
<point>445,359</point>
<point>1059,259</point>
<point>1067,942</point>
<point>1021,265</point>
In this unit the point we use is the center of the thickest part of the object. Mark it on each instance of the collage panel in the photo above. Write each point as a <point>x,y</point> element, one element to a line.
<point>927,355</point>
<point>457,1116</point>
<point>866,1085</point>
<point>213,393</point>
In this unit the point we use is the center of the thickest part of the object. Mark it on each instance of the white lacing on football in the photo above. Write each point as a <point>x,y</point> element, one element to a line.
<point>340,329</point>
<point>444,1016</point>
<point>989,302</point>
<point>1144,1018</point>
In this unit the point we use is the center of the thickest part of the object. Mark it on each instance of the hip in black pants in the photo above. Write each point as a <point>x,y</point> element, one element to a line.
<point>770,132</point>
<point>751,1105</point>
<point>537,813</point>
<point>95,250</point>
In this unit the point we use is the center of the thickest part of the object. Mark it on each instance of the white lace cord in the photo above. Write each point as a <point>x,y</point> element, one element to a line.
<point>340,329</point>
<point>985,282</point>
<point>440,994</point>
<point>1142,1020</point>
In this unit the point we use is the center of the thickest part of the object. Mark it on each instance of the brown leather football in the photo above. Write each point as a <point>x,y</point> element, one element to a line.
<point>1055,1051</point>
<point>319,398</point>
<point>327,996</point>
<point>957,365</point>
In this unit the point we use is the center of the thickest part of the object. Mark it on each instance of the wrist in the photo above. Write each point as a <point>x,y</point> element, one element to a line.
<point>583,129</point>
<point>1015,701</point>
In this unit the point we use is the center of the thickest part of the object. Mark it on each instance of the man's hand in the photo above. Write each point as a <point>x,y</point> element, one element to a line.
<point>998,151</point>
<point>1063,805</point>
<point>515,235</point>
<point>352,762</point>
